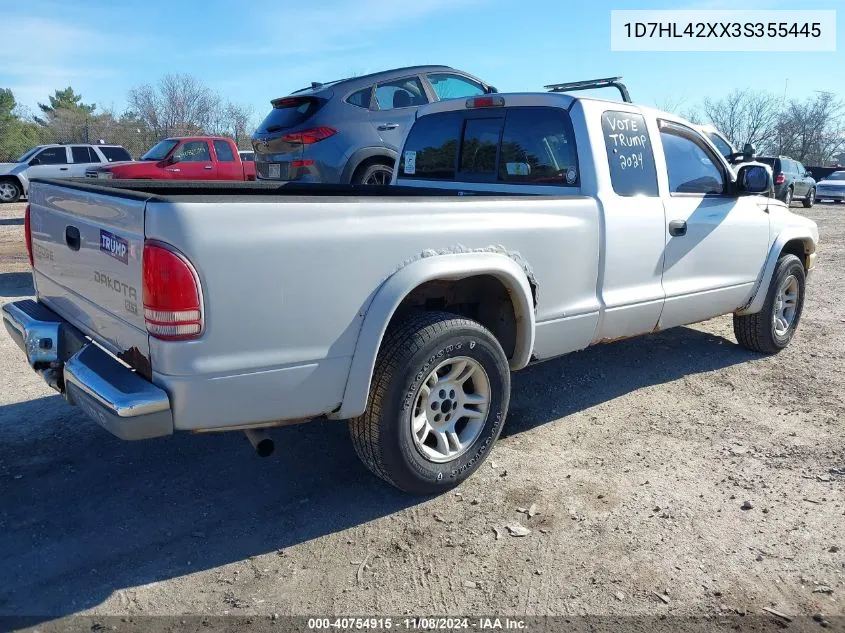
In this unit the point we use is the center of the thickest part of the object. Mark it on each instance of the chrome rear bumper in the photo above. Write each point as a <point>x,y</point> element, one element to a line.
<point>116,397</point>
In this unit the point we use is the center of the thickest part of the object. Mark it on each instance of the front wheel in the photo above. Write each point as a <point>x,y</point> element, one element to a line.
<point>810,200</point>
<point>771,329</point>
<point>438,400</point>
<point>10,191</point>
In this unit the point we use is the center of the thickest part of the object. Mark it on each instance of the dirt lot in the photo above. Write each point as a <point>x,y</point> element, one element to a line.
<point>638,457</point>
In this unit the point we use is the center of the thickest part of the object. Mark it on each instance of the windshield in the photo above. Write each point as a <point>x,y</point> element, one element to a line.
<point>837,175</point>
<point>27,155</point>
<point>720,144</point>
<point>160,150</point>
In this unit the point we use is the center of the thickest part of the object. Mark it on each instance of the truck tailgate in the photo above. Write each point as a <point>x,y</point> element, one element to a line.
<point>87,249</point>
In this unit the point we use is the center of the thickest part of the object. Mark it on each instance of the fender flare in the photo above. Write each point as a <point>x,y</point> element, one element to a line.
<point>359,156</point>
<point>395,288</point>
<point>758,296</point>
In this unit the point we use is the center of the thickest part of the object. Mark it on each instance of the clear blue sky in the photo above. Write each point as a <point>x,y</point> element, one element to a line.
<point>257,50</point>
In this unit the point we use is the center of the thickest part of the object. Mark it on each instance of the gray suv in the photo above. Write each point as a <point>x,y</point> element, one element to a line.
<point>349,131</point>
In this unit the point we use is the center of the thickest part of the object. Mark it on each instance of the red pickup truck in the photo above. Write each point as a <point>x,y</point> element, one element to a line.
<point>183,158</point>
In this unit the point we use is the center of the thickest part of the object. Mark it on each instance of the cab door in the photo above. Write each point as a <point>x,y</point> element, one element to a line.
<point>397,102</point>
<point>228,167</point>
<point>83,157</point>
<point>192,161</point>
<point>716,241</point>
<point>50,162</point>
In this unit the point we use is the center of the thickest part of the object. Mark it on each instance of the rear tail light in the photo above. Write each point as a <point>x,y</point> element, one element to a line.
<point>780,179</point>
<point>486,102</point>
<point>311,135</point>
<point>172,300</point>
<point>27,231</point>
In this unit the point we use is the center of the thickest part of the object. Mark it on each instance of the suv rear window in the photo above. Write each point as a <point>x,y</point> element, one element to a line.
<point>114,154</point>
<point>525,145</point>
<point>290,112</point>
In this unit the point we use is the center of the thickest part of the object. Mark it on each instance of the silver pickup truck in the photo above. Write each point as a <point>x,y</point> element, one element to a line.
<point>518,228</point>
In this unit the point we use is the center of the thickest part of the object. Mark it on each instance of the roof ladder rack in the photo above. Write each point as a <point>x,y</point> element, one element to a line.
<point>588,84</point>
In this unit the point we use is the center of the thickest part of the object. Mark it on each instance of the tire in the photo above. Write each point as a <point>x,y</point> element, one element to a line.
<point>373,174</point>
<point>423,347</point>
<point>759,332</point>
<point>787,198</point>
<point>810,200</point>
<point>10,190</point>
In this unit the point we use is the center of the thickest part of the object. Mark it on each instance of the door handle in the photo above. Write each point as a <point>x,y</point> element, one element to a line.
<point>62,168</point>
<point>172,169</point>
<point>677,228</point>
<point>207,167</point>
<point>388,126</point>
<point>72,238</point>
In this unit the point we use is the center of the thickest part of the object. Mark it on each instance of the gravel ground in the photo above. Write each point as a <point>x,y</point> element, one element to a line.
<point>674,474</point>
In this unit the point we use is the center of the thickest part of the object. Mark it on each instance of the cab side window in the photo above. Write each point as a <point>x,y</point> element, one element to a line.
<point>690,167</point>
<point>53,156</point>
<point>224,152</point>
<point>402,93</point>
<point>192,152</point>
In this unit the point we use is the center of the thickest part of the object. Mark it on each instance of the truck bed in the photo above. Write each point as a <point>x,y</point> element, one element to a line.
<point>256,191</point>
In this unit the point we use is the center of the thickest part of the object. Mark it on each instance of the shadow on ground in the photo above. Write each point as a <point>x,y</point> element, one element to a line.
<point>11,221</point>
<point>16,285</point>
<point>83,514</point>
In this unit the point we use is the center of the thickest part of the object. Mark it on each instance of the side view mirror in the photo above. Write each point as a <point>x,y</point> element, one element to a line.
<point>35,161</point>
<point>753,179</point>
<point>172,159</point>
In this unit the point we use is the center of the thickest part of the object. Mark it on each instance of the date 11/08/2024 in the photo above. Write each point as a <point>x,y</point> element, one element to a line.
<point>417,624</point>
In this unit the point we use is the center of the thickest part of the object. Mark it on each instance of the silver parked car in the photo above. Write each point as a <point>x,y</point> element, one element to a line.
<point>53,161</point>
<point>832,187</point>
<point>349,131</point>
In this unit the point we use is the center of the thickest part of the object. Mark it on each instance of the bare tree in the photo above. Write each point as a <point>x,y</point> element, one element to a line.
<point>812,131</point>
<point>231,119</point>
<point>745,117</point>
<point>178,104</point>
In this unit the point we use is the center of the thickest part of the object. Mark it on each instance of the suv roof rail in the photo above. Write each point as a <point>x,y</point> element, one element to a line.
<point>588,84</point>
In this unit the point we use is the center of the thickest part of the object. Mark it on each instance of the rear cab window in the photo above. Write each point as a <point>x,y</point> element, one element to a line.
<point>520,145</point>
<point>224,152</point>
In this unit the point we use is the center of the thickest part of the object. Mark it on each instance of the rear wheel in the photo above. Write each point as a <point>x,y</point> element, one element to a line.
<point>810,200</point>
<point>374,174</point>
<point>10,191</point>
<point>771,329</point>
<point>438,400</point>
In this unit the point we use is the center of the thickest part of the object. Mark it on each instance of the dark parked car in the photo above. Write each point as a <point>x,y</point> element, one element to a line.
<point>792,180</point>
<point>349,131</point>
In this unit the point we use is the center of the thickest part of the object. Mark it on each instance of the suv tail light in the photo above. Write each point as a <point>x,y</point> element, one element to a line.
<point>172,299</point>
<point>27,231</point>
<point>780,178</point>
<point>311,135</point>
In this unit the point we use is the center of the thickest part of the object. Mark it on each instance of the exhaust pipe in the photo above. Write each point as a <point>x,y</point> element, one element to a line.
<point>261,441</point>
